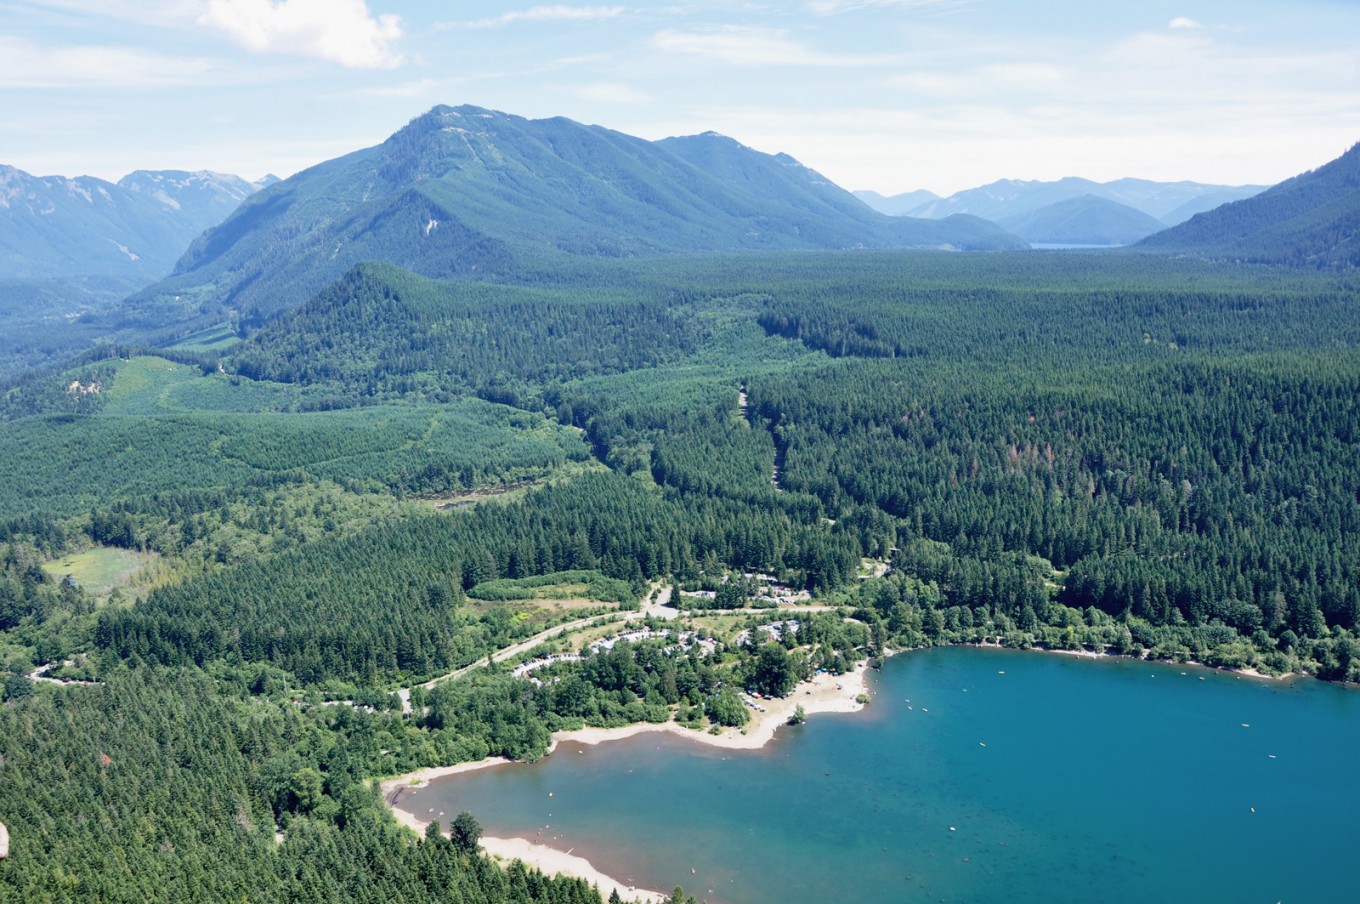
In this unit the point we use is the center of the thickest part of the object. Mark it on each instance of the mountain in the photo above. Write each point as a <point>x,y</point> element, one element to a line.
<point>1312,219</point>
<point>198,200</point>
<point>54,227</point>
<point>896,205</point>
<point>467,191</point>
<point>72,248</point>
<point>1087,220</point>
<point>1169,202</point>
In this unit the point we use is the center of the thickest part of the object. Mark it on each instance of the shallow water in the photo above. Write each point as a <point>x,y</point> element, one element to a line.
<point>975,775</point>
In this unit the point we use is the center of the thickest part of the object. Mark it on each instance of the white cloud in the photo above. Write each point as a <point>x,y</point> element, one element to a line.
<point>834,7</point>
<point>989,81</point>
<point>1183,22</point>
<point>144,12</point>
<point>27,65</point>
<point>742,45</point>
<point>424,87</point>
<point>339,31</point>
<point>611,93</point>
<point>541,14</point>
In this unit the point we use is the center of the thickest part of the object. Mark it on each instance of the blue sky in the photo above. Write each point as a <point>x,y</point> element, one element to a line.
<point>891,95</point>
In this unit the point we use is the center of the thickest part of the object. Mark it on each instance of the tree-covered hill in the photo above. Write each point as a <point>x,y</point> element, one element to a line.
<point>1311,220</point>
<point>1087,220</point>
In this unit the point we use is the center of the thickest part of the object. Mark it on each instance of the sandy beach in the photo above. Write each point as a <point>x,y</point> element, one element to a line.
<point>822,694</point>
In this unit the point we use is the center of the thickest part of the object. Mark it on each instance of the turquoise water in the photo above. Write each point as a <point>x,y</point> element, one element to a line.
<point>1106,780</point>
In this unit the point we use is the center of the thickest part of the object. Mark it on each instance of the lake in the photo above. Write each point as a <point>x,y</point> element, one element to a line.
<point>975,775</point>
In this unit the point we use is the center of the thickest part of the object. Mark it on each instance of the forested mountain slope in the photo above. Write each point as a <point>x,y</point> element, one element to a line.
<point>466,191</point>
<point>1310,220</point>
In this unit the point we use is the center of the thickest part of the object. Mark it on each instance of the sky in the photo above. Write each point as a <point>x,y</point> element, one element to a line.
<point>889,95</point>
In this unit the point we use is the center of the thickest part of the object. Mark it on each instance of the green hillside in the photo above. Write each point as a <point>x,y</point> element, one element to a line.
<point>1311,220</point>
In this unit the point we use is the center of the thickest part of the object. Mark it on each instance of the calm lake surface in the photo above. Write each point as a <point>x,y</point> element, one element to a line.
<point>1107,780</point>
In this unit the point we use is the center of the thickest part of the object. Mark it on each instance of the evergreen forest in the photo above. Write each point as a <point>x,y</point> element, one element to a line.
<point>245,576</point>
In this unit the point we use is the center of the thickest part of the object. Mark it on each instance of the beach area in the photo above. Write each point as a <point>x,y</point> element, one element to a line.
<point>824,693</point>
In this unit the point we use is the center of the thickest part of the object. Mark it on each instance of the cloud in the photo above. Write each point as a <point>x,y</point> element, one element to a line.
<point>161,13</point>
<point>835,7</point>
<point>27,65</point>
<point>611,93</point>
<point>541,14</point>
<point>420,88</point>
<point>742,45</point>
<point>1183,22</point>
<point>993,80</point>
<point>339,31</point>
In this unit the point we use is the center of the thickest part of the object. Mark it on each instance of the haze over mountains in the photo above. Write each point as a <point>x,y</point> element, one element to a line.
<point>1106,215</point>
<point>72,248</point>
<point>54,226</point>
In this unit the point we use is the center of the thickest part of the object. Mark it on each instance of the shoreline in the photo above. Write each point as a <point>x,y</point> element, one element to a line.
<point>1092,654</point>
<point>823,693</point>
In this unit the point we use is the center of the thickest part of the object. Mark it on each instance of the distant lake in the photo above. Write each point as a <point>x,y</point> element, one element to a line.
<point>1109,780</point>
<point>1069,246</point>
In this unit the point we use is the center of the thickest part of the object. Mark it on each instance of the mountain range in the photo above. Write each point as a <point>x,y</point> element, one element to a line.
<point>466,192</point>
<point>463,191</point>
<point>1009,201</point>
<point>60,227</point>
<point>71,249</point>
<point>1311,220</point>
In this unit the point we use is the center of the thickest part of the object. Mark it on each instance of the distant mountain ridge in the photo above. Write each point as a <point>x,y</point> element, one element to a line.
<point>72,248</point>
<point>1086,220</point>
<point>1312,219</point>
<point>202,199</point>
<point>1168,202</point>
<point>467,191</point>
<point>55,227</point>
<point>900,205</point>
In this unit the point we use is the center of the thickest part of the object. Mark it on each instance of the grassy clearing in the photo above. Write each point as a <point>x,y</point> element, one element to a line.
<point>508,492</point>
<point>101,569</point>
<point>214,338</point>
<point>148,386</point>
<point>562,589</point>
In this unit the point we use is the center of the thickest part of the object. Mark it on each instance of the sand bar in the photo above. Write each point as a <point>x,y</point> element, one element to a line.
<point>824,693</point>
